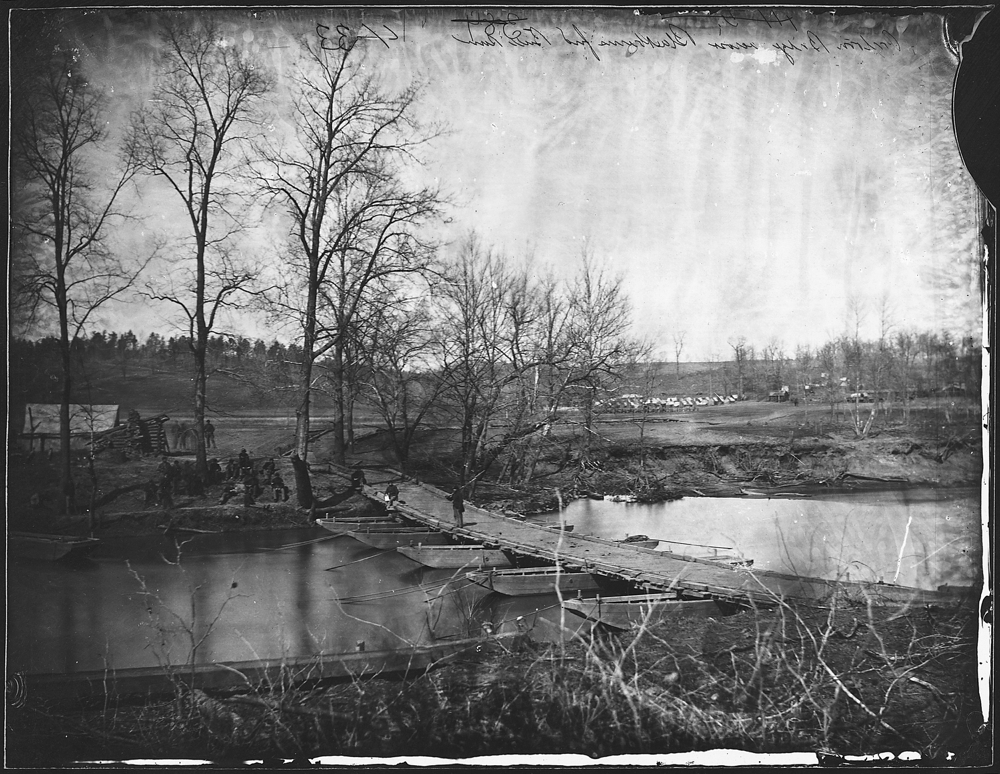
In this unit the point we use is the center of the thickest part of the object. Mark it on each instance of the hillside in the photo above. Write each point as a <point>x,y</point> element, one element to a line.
<point>162,391</point>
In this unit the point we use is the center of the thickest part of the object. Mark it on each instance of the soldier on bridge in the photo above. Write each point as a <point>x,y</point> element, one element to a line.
<point>457,505</point>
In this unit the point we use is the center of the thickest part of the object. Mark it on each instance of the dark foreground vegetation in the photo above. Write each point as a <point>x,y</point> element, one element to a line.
<point>845,679</point>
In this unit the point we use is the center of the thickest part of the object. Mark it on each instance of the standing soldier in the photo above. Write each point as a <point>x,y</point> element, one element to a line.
<point>249,484</point>
<point>391,495</point>
<point>457,505</point>
<point>164,469</point>
<point>150,490</point>
<point>209,434</point>
<point>358,480</point>
<point>244,462</point>
<point>279,488</point>
<point>166,493</point>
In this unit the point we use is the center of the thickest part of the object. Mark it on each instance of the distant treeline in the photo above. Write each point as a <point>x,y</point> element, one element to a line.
<point>265,368</point>
<point>913,364</point>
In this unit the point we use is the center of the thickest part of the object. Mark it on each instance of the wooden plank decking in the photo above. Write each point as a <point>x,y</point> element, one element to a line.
<point>647,569</point>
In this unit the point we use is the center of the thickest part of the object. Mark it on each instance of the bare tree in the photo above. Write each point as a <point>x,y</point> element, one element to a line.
<point>678,337</point>
<point>863,359</point>
<point>742,353</point>
<point>549,382</point>
<point>189,135</point>
<point>648,383</point>
<point>65,190</point>
<point>600,331</point>
<point>399,351</point>
<point>478,350</point>
<point>774,360</point>
<point>355,227</point>
<point>804,361</point>
<point>827,361</point>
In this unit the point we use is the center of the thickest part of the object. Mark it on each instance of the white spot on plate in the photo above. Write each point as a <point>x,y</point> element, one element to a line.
<point>766,55</point>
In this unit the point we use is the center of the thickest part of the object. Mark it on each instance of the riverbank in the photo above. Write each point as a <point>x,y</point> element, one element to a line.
<point>825,464</point>
<point>129,515</point>
<point>848,681</point>
<point>745,449</point>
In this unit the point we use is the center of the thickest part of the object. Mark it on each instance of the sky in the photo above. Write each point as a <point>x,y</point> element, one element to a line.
<point>747,174</point>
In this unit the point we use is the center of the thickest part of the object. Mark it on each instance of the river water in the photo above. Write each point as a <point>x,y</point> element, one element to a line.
<point>141,602</point>
<point>922,538</point>
<point>138,602</point>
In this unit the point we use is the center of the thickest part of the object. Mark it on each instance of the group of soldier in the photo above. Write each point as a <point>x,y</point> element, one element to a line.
<point>184,436</point>
<point>242,477</point>
<point>179,478</point>
<point>239,477</point>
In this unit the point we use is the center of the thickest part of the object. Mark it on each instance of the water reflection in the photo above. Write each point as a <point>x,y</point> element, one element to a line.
<point>136,605</point>
<point>298,593</point>
<point>241,597</point>
<point>919,538</point>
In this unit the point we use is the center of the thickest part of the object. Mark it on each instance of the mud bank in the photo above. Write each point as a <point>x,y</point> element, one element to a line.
<point>668,472</point>
<point>202,519</point>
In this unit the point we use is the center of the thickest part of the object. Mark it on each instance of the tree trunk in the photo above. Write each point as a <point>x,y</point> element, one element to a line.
<point>92,518</point>
<point>400,446</point>
<point>303,486</point>
<point>65,453</point>
<point>200,351</point>
<point>200,390</point>
<point>339,450</point>
<point>467,448</point>
<point>588,422</point>
<point>349,422</point>
<point>302,413</point>
<point>535,449</point>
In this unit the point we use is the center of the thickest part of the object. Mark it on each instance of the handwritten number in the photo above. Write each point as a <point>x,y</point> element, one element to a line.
<point>380,38</point>
<point>345,40</point>
<point>320,30</point>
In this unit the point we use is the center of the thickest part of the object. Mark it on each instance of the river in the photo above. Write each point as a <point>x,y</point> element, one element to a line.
<point>921,537</point>
<point>141,602</point>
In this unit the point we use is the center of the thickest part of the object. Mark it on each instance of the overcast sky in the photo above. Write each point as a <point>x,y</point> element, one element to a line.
<point>747,177</point>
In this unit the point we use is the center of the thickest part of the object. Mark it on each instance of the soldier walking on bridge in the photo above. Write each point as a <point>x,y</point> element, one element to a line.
<point>358,479</point>
<point>457,505</point>
<point>391,495</point>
